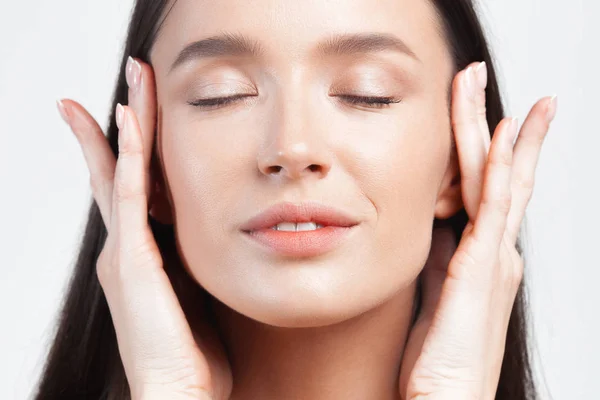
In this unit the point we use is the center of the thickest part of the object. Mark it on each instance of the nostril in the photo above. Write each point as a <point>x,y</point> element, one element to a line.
<point>277,169</point>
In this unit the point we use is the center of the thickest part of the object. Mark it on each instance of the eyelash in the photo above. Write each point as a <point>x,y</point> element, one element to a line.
<point>371,102</point>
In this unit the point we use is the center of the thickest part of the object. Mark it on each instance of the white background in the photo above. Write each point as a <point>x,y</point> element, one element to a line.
<point>70,48</point>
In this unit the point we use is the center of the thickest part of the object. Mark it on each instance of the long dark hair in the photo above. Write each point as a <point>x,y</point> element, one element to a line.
<point>83,360</point>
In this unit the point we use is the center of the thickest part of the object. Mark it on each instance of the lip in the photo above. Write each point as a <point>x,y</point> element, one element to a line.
<point>336,227</point>
<point>300,212</point>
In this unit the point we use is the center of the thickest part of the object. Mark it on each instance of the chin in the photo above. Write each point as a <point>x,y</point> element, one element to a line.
<point>304,315</point>
<point>296,303</point>
<point>302,292</point>
<point>301,317</point>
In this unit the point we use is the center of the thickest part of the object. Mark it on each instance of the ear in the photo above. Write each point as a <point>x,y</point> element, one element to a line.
<point>449,200</point>
<point>160,207</point>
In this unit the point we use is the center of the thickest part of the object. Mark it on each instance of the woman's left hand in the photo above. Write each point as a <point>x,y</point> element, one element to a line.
<point>456,347</point>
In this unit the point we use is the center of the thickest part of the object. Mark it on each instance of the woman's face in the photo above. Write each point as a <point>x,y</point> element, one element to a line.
<point>296,139</point>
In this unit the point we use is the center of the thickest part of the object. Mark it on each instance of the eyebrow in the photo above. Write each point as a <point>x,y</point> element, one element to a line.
<point>339,44</point>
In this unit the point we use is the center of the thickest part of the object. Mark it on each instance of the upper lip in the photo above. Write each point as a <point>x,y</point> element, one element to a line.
<point>299,212</point>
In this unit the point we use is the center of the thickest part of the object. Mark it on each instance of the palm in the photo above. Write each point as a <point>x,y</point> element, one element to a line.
<point>167,346</point>
<point>194,301</point>
<point>456,346</point>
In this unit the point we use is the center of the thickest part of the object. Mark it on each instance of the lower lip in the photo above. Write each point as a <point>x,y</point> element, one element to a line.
<point>303,243</point>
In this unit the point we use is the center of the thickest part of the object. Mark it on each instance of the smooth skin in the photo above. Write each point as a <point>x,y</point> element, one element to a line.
<point>455,349</point>
<point>330,327</point>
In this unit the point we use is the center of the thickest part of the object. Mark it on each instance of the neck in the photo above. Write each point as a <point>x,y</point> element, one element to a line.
<point>358,358</point>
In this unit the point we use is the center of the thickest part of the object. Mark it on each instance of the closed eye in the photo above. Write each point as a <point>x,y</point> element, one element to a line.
<point>216,102</point>
<point>371,102</point>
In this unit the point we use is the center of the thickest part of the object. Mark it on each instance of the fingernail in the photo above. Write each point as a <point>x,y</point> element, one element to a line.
<point>122,123</point>
<point>63,111</point>
<point>551,110</point>
<point>470,82</point>
<point>119,115</point>
<point>482,75</point>
<point>133,73</point>
<point>513,129</point>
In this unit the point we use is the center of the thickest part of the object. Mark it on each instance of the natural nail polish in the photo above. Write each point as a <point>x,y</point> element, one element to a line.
<point>470,82</point>
<point>133,73</point>
<point>119,115</point>
<point>63,111</point>
<point>513,129</point>
<point>481,72</point>
<point>551,110</point>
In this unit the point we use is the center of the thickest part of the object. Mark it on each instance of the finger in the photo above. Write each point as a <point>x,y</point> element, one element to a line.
<point>142,100</point>
<point>129,192</point>
<point>480,103</point>
<point>471,147</point>
<point>490,224</point>
<point>526,155</point>
<point>96,150</point>
<point>152,329</point>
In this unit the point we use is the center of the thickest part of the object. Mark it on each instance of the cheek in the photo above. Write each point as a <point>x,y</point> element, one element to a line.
<point>400,169</point>
<point>205,174</point>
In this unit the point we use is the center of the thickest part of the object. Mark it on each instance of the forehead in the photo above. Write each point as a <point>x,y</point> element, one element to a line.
<point>291,30</point>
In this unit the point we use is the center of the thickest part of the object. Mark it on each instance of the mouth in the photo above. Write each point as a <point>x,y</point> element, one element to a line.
<point>307,243</point>
<point>300,230</point>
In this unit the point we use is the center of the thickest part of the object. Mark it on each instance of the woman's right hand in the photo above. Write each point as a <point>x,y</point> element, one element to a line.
<point>160,355</point>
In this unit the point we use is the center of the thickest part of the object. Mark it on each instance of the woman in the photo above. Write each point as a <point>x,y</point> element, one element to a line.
<point>299,202</point>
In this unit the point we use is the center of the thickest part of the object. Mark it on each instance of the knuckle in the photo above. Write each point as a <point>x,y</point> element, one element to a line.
<point>481,107</point>
<point>503,159</point>
<point>464,120</point>
<point>537,140</point>
<point>465,259</point>
<point>501,202</point>
<point>140,250</point>
<point>140,254</point>
<point>525,184</point>
<point>130,150</point>
<point>466,265</point>
<point>97,183</point>
<point>121,264</point>
<point>124,191</point>
<point>100,178</point>
<point>180,377</point>
<point>472,178</point>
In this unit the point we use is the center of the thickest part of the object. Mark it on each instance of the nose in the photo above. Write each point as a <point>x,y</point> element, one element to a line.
<point>293,147</point>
